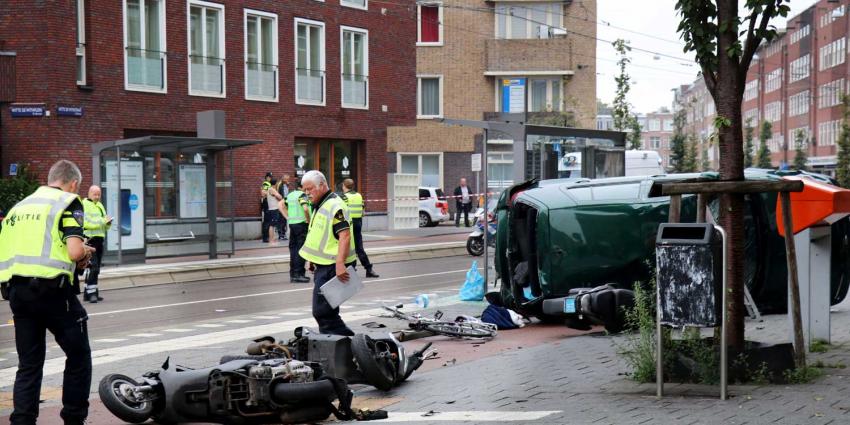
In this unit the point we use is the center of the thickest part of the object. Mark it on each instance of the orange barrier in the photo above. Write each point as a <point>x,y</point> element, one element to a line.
<point>818,203</point>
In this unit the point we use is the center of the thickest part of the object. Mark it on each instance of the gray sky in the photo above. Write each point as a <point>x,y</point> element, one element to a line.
<point>653,77</point>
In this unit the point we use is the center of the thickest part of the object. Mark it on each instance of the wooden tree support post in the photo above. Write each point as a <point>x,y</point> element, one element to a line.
<point>673,216</point>
<point>791,255</point>
<point>701,204</point>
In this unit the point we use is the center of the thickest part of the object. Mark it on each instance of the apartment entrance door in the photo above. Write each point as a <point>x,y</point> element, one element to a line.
<point>336,159</point>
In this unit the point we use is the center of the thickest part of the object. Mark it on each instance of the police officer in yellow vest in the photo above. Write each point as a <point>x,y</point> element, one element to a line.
<point>296,211</point>
<point>97,223</point>
<point>329,248</point>
<point>41,244</point>
<point>355,204</point>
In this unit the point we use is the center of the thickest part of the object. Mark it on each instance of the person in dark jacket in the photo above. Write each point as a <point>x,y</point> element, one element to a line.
<point>463,197</point>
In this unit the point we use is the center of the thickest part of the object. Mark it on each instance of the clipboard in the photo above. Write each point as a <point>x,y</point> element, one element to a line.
<point>337,292</point>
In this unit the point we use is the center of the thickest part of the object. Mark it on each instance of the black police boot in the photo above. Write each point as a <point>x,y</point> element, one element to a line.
<point>371,273</point>
<point>97,295</point>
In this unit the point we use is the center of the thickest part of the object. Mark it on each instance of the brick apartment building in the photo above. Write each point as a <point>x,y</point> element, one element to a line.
<point>656,131</point>
<point>796,83</point>
<point>470,55</point>
<point>316,82</point>
<point>700,113</point>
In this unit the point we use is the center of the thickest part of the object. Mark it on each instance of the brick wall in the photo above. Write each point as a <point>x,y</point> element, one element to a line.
<point>42,34</point>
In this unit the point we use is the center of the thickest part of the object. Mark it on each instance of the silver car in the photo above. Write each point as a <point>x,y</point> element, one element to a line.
<point>433,207</point>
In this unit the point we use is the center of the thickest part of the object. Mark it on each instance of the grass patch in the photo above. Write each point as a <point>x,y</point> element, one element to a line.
<point>819,346</point>
<point>803,375</point>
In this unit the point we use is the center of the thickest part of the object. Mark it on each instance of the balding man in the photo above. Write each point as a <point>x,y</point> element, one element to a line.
<point>96,225</point>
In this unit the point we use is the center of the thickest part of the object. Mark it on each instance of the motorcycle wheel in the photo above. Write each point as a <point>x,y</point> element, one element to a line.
<point>113,394</point>
<point>378,370</point>
<point>475,246</point>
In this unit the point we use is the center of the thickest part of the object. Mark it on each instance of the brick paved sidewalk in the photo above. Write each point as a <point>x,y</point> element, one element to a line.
<point>584,379</point>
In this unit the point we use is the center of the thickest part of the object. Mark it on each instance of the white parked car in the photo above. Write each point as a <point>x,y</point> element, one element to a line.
<point>433,207</point>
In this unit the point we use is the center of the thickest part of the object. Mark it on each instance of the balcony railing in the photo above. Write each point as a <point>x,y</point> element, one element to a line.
<point>355,89</point>
<point>261,80</point>
<point>145,68</point>
<point>311,85</point>
<point>207,73</point>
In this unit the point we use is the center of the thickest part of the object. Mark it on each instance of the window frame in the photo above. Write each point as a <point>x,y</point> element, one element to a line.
<point>549,92</point>
<point>529,24</point>
<point>221,42</point>
<point>419,78</point>
<point>419,42</point>
<point>345,3</point>
<point>419,162</point>
<point>365,33</point>
<point>163,43</point>
<point>81,41</point>
<point>323,60</point>
<point>275,55</point>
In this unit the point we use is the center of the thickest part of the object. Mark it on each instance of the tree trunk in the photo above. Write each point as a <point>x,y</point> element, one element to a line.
<point>727,95</point>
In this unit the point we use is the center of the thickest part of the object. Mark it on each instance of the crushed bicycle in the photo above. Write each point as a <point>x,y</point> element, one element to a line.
<point>459,328</point>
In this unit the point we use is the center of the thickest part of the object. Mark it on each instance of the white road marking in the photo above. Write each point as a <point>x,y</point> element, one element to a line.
<point>264,317</point>
<point>291,313</point>
<point>145,335</point>
<point>239,321</point>
<point>260,294</point>
<point>178,330</point>
<point>346,307</point>
<point>209,325</point>
<point>468,416</point>
<point>110,340</point>
<point>56,365</point>
<point>2,360</point>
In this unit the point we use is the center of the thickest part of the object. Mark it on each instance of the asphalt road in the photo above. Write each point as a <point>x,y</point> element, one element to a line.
<point>133,326</point>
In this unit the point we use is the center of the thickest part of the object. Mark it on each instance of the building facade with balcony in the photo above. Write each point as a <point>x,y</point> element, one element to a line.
<point>317,82</point>
<point>795,83</point>
<point>476,59</point>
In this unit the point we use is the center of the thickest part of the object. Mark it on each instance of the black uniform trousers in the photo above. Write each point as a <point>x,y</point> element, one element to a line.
<point>37,309</point>
<point>327,317</point>
<point>94,264</point>
<point>463,209</point>
<point>358,243</point>
<point>297,236</point>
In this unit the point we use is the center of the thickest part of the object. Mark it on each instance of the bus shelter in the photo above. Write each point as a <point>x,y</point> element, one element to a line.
<point>168,196</point>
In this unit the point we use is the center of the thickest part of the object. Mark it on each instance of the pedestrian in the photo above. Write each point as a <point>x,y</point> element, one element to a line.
<point>264,206</point>
<point>41,244</point>
<point>295,208</point>
<point>329,248</point>
<point>356,208</point>
<point>279,192</point>
<point>96,224</point>
<point>464,203</point>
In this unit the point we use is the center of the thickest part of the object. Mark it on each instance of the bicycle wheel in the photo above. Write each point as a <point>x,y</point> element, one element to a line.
<point>461,330</point>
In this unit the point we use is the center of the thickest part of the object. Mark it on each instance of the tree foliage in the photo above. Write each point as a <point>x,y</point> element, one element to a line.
<point>634,134</point>
<point>766,133</point>
<point>748,143</point>
<point>842,169</point>
<point>622,109</point>
<point>14,189</point>
<point>800,146</point>
<point>678,141</point>
<point>689,165</point>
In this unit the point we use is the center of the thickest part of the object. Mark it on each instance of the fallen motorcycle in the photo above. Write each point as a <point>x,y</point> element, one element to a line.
<point>603,305</point>
<point>275,390</point>
<point>360,359</point>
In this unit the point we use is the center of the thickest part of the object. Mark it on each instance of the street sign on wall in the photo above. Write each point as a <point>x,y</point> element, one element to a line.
<point>476,162</point>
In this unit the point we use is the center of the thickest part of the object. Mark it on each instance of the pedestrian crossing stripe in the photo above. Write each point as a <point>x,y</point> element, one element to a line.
<point>239,321</point>
<point>178,330</point>
<point>209,325</point>
<point>110,340</point>
<point>265,317</point>
<point>145,335</point>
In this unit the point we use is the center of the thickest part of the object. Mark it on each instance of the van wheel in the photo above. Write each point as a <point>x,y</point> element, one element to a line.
<point>424,219</point>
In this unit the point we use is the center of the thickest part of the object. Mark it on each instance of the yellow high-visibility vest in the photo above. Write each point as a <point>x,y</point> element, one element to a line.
<point>321,246</point>
<point>354,201</point>
<point>31,244</point>
<point>95,225</point>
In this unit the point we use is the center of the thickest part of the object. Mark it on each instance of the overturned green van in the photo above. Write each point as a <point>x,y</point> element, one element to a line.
<point>558,235</point>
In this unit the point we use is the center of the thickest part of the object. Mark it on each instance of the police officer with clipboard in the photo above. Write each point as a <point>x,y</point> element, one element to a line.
<point>41,245</point>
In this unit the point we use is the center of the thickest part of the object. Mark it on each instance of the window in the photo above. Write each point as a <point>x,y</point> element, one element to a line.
<point>261,56</point>
<point>654,125</point>
<point>528,20</point>
<point>832,54</point>
<point>798,104</point>
<point>668,125</point>
<point>827,16</point>
<point>545,95</point>
<point>799,69</point>
<point>81,42</point>
<point>751,90</point>
<point>144,45</point>
<point>206,49</point>
<point>773,80</point>
<point>829,94</point>
<point>430,24</point>
<point>427,165</point>
<point>654,142</point>
<point>430,96</point>
<point>751,115</point>
<point>310,62</point>
<point>355,68</point>
<point>828,132</point>
<point>500,168</point>
<point>357,4</point>
<point>773,111</point>
<point>792,137</point>
<point>800,34</point>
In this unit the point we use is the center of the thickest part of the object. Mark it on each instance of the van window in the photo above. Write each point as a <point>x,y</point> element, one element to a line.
<point>424,194</point>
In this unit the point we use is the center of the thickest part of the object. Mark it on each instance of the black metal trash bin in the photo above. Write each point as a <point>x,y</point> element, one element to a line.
<point>689,266</point>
